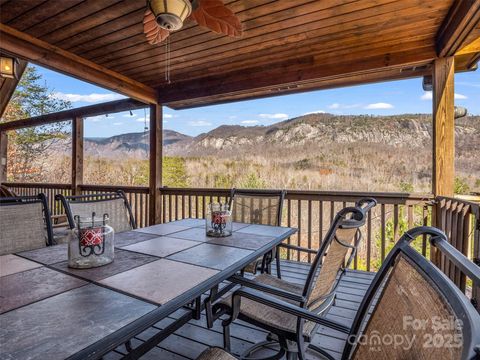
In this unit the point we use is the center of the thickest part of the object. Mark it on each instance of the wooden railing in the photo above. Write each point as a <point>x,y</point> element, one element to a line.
<point>311,212</point>
<point>460,220</point>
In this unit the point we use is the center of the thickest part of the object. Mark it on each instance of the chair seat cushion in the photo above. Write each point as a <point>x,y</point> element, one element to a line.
<point>270,316</point>
<point>215,354</point>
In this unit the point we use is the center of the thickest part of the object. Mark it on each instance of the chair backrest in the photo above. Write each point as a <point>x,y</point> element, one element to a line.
<point>412,310</point>
<point>25,224</point>
<point>335,255</point>
<point>257,206</point>
<point>114,204</point>
<point>6,192</point>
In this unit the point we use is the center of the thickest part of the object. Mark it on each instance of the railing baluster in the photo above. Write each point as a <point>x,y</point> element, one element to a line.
<point>309,217</point>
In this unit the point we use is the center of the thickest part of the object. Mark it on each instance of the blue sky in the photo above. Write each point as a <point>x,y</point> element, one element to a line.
<point>395,97</point>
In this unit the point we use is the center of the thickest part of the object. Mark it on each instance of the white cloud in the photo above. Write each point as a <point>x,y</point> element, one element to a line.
<point>199,123</point>
<point>97,118</point>
<point>167,116</point>
<point>380,105</point>
<point>427,95</point>
<point>117,123</point>
<point>343,106</point>
<point>89,98</point>
<point>250,122</point>
<point>130,116</point>
<point>315,112</point>
<point>142,119</point>
<point>278,116</point>
<point>231,117</point>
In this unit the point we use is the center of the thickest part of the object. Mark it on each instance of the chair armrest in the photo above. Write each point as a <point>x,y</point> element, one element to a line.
<point>297,248</point>
<point>267,288</point>
<point>280,305</point>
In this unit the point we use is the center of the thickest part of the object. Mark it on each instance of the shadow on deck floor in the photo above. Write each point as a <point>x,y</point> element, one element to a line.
<point>190,340</point>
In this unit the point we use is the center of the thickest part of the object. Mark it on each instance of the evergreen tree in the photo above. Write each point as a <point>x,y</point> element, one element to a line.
<point>28,148</point>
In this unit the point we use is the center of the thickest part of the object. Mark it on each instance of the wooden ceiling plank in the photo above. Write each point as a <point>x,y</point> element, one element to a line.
<point>319,48</point>
<point>283,73</point>
<point>129,25</point>
<point>101,17</point>
<point>42,13</point>
<point>140,44</point>
<point>82,10</point>
<point>256,35</point>
<point>8,87</point>
<point>50,56</point>
<point>274,48</point>
<point>12,9</point>
<point>461,20</point>
<point>349,30</point>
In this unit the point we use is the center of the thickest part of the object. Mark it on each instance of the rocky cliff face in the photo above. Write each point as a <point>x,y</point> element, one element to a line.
<point>399,130</point>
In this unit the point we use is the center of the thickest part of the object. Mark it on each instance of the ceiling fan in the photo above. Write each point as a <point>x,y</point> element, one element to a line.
<point>165,16</point>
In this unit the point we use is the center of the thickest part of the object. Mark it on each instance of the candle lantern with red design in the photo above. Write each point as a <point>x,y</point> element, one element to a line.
<point>219,220</point>
<point>91,242</point>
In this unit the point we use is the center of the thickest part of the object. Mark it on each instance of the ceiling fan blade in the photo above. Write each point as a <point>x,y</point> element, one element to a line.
<point>214,15</point>
<point>154,33</point>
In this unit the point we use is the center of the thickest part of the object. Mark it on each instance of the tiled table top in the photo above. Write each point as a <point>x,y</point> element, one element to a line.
<point>211,256</point>
<point>123,261</point>
<point>159,281</point>
<point>161,246</point>
<point>29,286</point>
<point>62,325</point>
<point>54,311</point>
<point>11,264</point>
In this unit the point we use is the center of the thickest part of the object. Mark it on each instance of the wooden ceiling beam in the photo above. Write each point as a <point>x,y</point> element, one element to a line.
<point>461,20</point>
<point>293,71</point>
<point>83,112</point>
<point>8,87</point>
<point>295,88</point>
<point>52,57</point>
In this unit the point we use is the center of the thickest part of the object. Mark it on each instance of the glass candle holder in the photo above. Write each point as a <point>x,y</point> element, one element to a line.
<point>90,242</point>
<point>219,220</point>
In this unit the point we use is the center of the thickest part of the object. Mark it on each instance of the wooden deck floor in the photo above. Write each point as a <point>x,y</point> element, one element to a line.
<point>189,341</point>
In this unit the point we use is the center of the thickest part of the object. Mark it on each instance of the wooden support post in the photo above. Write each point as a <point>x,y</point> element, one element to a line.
<point>156,163</point>
<point>443,127</point>
<point>3,156</point>
<point>77,155</point>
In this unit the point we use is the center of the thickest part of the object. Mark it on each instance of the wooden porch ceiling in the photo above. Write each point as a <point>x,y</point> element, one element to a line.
<point>287,46</point>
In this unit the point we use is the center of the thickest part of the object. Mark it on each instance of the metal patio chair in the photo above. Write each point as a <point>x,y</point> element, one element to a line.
<point>25,224</point>
<point>262,207</point>
<point>114,204</point>
<point>411,310</point>
<point>317,294</point>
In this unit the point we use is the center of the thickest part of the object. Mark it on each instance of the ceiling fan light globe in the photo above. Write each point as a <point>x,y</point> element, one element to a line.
<point>170,14</point>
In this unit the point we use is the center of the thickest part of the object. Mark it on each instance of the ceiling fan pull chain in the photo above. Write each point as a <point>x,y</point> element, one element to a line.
<point>167,60</point>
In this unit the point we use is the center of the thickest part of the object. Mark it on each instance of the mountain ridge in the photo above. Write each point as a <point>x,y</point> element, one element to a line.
<point>396,130</point>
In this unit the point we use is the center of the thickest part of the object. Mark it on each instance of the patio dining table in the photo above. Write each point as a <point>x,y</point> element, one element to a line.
<point>49,310</point>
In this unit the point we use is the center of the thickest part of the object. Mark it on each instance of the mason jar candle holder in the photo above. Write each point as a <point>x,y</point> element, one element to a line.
<point>90,242</point>
<point>219,220</point>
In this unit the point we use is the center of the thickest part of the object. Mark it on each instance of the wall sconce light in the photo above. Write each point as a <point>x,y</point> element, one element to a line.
<point>8,67</point>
